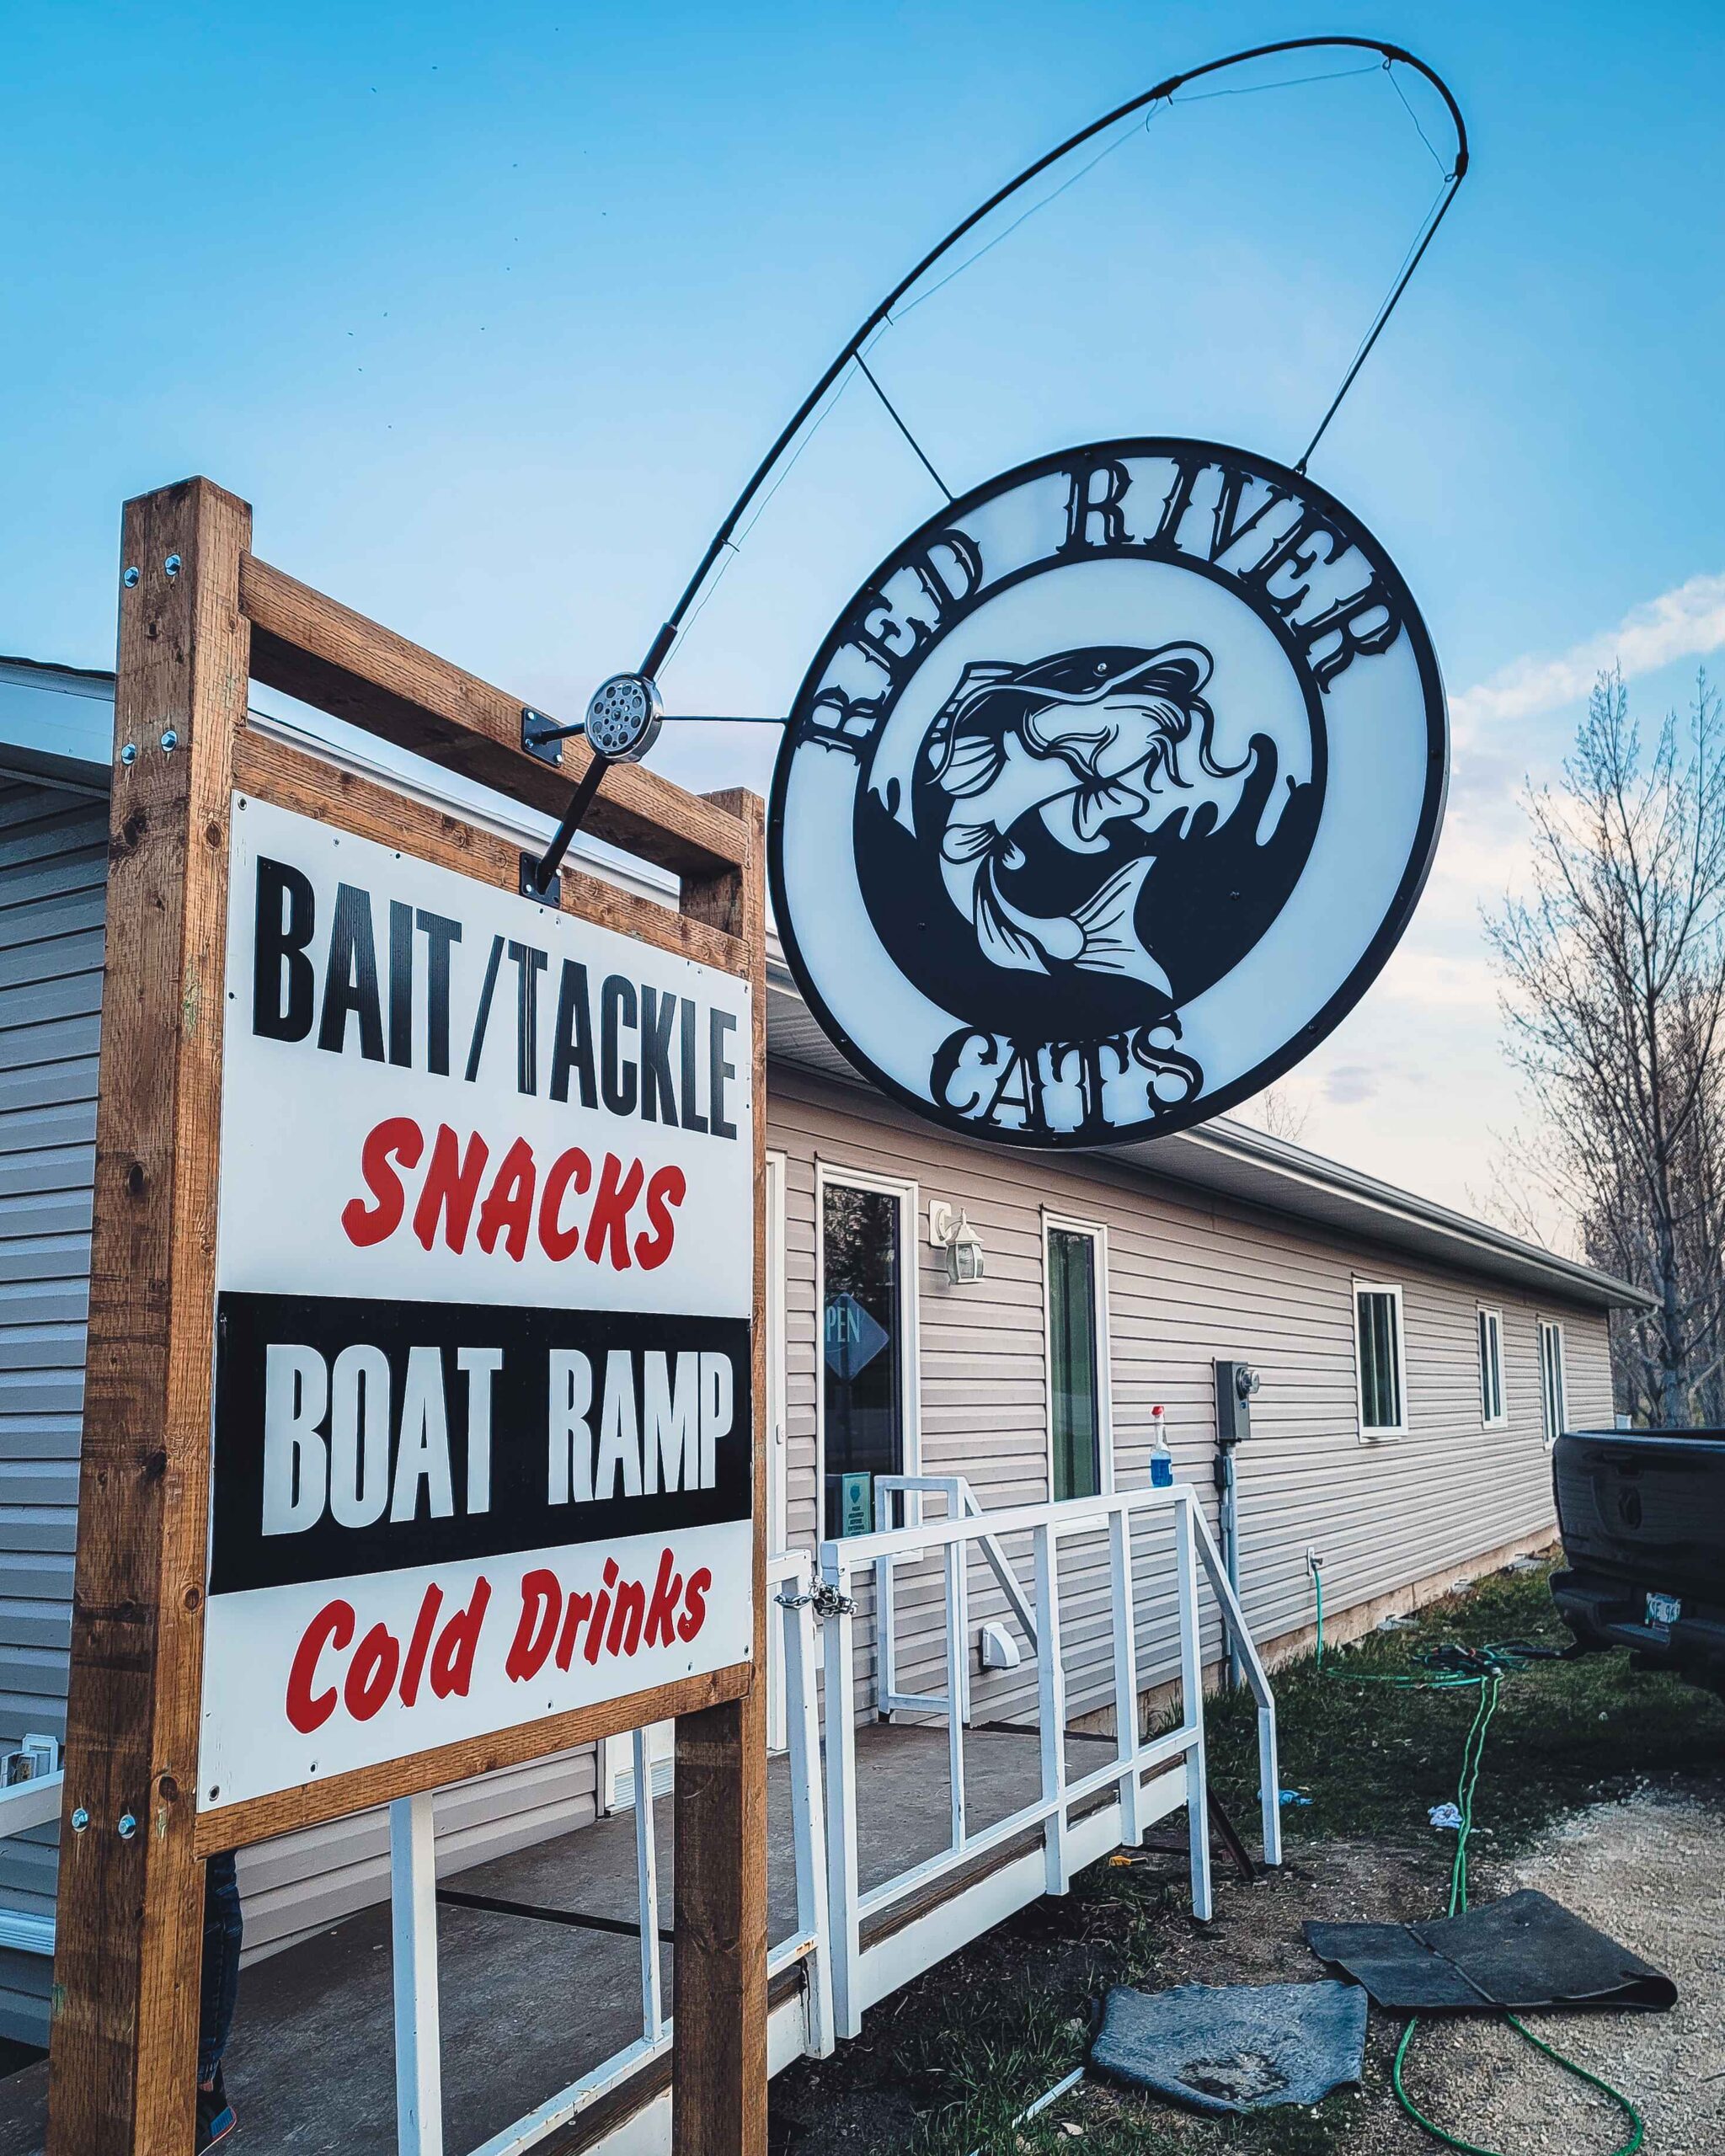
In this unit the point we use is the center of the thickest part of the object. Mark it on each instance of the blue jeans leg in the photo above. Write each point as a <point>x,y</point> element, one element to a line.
<point>223,1931</point>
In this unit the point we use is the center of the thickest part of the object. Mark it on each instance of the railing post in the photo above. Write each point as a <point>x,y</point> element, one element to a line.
<point>956,1554</point>
<point>1051,1706</point>
<point>412,1899</point>
<point>647,1888</point>
<point>1269,1773</point>
<point>954,1487</point>
<point>1234,1617</point>
<point>1126,1675</point>
<point>1192,1707</point>
<point>842,1891</point>
<point>808,1815</point>
<point>886,1675</point>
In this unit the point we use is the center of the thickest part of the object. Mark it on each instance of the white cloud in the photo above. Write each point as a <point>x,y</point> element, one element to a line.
<point>1350,1083</point>
<point>1685,623</point>
<point>1413,1086</point>
<point>1435,980</point>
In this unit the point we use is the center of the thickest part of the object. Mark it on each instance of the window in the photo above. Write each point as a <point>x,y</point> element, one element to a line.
<point>865,1322</point>
<point>1075,1258</point>
<point>1377,1335</point>
<point>1491,1367</point>
<point>1554,1410</point>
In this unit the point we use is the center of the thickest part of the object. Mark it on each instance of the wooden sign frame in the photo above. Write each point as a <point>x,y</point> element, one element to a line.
<point>201,617</point>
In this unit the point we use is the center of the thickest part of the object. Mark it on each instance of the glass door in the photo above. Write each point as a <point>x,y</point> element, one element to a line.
<point>864,1351</point>
<point>1075,1403</point>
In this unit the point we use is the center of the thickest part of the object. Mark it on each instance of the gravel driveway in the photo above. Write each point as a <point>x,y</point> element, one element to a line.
<point>1651,1872</point>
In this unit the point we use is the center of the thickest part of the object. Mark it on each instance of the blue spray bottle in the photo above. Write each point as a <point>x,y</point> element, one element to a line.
<point>1161,1460</point>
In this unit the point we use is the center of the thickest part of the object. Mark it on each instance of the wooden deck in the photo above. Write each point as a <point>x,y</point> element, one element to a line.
<point>529,2003</point>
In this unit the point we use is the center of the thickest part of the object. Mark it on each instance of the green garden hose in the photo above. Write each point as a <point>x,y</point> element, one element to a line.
<point>1486,1668</point>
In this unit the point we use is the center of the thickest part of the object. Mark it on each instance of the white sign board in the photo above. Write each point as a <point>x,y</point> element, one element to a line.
<point>483,1432</point>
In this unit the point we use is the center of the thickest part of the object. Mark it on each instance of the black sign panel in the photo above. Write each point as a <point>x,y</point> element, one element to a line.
<point>359,1437</point>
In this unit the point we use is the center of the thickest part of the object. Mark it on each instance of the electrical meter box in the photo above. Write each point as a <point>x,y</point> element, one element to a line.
<point>1236,1383</point>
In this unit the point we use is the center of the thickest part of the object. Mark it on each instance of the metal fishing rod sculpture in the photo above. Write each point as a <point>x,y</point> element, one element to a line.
<point>626,712</point>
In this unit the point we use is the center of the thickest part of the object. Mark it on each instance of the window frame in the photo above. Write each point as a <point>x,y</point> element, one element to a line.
<point>1492,1314</point>
<point>910,1298</point>
<point>1096,1230</point>
<point>1549,1431</point>
<point>1370,1432</point>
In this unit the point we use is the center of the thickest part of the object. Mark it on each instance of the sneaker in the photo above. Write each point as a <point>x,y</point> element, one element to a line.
<point>215,2115</point>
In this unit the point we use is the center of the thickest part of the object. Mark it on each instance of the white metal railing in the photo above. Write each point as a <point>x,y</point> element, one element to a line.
<point>790,1581</point>
<point>843,1564</point>
<point>960,1499</point>
<point>831,1907</point>
<point>1244,1649</point>
<point>23,1805</point>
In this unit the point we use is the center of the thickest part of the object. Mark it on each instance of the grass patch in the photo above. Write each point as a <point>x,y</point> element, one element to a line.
<point>1374,1758</point>
<point>948,2064</point>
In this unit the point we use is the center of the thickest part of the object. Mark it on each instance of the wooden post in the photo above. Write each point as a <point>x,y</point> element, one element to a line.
<point>719,2063</point>
<point>130,1914</point>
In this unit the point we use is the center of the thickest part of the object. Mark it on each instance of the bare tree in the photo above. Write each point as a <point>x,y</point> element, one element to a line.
<point>1614,970</point>
<point>1281,1111</point>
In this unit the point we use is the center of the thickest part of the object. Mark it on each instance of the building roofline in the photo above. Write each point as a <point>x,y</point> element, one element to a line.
<point>104,674</point>
<point>57,725</point>
<point>1242,1141</point>
<point>1231,1157</point>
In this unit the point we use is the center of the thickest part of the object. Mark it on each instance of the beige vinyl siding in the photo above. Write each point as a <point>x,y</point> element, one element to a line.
<point>1587,1370</point>
<point>802,1348</point>
<point>1191,1278</point>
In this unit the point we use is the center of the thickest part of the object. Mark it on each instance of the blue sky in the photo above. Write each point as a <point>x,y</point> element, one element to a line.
<point>489,311</point>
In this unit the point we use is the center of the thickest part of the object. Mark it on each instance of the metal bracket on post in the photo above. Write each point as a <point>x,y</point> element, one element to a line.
<point>547,889</point>
<point>542,736</point>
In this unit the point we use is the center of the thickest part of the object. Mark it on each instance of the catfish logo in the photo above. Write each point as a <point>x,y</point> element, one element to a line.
<point>1109,794</point>
<point>1035,776</point>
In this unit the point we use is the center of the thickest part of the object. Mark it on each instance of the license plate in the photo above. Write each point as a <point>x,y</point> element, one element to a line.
<point>1663,1611</point>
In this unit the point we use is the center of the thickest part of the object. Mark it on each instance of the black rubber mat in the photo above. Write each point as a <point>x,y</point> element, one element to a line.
<point>1524,1951</point>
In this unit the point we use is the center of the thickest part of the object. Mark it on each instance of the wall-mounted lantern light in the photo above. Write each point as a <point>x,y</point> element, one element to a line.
<point>952,1233</point>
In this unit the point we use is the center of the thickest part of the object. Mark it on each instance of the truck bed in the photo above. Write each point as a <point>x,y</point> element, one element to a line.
<point>1642,1517</point>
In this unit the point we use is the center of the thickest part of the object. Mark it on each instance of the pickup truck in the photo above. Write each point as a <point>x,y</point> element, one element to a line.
<point>1642,1517</point>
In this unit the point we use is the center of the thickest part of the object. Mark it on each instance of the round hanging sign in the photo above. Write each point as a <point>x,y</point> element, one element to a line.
<point>1109,794</point>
